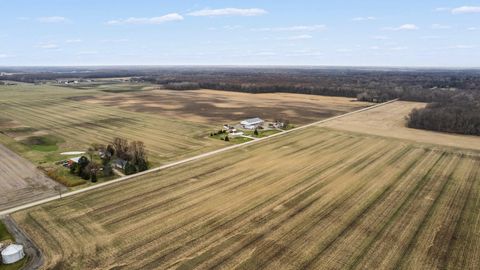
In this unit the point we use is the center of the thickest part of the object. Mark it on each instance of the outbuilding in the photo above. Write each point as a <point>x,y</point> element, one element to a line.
<point>251,123</point>
<point>72,161</point>
<point>12,254</point>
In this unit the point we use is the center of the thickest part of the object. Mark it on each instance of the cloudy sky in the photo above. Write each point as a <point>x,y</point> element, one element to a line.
<point>225,32</point>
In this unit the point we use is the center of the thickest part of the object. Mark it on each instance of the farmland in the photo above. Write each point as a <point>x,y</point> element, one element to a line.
<point>315,198</point>
<point>210,106</point>
<point>41,121</point>
<point>20,181</point>
<point>389,121</point>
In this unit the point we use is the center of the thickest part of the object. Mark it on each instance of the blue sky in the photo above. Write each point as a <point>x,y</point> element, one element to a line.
<point>223,32</point>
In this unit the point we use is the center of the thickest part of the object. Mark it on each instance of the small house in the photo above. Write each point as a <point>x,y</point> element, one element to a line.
<point>120,164</point>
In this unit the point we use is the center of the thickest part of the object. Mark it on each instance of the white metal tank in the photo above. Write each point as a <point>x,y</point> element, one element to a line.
<point>12,254</point>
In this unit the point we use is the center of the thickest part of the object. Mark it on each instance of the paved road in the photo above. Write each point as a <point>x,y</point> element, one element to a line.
<point>180,162</point>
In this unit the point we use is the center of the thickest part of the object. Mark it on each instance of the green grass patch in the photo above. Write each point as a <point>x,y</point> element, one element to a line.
<point>45,143</point>
<point>262,133</point>
<point>14,266</point>
<point>4,234</point>
<point>63,176</point>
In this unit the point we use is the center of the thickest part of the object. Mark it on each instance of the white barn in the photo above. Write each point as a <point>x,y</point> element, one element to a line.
<point>12,254</point>
<point>252,123</point>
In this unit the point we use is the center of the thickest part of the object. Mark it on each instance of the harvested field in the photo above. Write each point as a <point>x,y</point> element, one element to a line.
<point>389,121</point>
<point>311,199</point>
<point>20,181</point>
<point>40,122</point>
<point>210,106</point>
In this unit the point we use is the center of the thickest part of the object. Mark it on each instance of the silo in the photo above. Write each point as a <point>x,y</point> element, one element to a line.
<point>12,254</point>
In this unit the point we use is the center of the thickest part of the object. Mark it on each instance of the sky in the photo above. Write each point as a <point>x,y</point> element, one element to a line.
<point>415,33</point>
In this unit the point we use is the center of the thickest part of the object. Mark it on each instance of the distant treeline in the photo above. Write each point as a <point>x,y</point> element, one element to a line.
<point>366,85</point>
<point>460,114</point>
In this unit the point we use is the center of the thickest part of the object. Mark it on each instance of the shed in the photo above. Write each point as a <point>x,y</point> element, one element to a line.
<point>12,254</point>
<point>72,161</point>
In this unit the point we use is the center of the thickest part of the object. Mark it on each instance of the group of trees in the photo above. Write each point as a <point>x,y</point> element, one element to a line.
<point>134,153</point>
<point>461,114</point>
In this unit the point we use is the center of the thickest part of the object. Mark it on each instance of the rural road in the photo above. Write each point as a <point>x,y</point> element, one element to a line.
<point>180,162</point>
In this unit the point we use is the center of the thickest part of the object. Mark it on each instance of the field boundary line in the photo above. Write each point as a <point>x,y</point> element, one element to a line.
<point>180,162</point>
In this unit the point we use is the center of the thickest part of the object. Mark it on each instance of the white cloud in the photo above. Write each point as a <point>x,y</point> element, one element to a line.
<point>473,28</point>
<point>228,12</point>
<point>404,27</point>
<point>48,46</point>
<point>466,10</point>
<point>369,18</point>
<point>153,20</point>
<point>300,37</point>
<point>297,28</point>
<point>374,48</point>
<point>4,56</point>
<point>53,19</point>
<point>342,50</point>
<point>440,27</point>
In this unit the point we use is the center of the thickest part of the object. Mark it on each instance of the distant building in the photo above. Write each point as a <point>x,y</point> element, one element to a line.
<point>252,123</point>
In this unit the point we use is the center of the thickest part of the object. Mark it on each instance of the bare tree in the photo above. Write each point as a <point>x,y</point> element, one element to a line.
<point>121,148</point>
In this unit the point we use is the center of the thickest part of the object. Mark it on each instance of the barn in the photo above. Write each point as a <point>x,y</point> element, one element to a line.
<point>252,123</point>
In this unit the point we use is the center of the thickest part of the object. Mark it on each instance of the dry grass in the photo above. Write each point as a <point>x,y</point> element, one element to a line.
<point>312,199</point>
<point>390,121</point>
<point>210,106</point>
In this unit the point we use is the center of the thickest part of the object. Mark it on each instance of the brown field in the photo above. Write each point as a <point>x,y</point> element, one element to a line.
<point>389,121</point>
<point>217,107</point>
<point>20,181</point>
<point>311,199</point>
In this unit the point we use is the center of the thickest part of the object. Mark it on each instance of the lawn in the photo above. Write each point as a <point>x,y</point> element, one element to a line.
<point>4,234</point>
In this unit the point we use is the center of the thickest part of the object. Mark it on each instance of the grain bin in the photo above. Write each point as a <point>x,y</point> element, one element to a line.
<point>12,254</point>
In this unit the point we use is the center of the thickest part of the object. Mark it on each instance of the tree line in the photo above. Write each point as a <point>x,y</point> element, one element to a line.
<point>460,114</point>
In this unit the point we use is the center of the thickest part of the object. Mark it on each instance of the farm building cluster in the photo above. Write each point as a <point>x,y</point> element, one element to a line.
<point>249,128</point>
